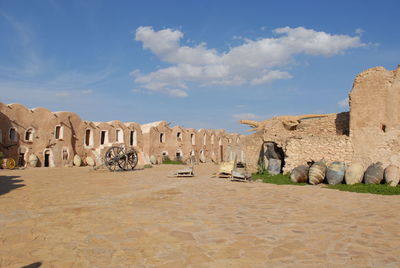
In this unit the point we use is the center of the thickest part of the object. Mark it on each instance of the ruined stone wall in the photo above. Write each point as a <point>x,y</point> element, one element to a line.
<point>375,116</point>
<point>252,146</point>
<point>307,139</point>
<point>299,151</point>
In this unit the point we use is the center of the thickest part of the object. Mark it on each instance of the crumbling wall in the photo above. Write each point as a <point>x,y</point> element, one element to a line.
<point>302,138</point>
<point>375,116</point>
<point>299,151</point>
<point>252,146</point>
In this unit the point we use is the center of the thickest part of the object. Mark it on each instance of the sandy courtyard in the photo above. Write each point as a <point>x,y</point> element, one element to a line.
<point>77,217</point>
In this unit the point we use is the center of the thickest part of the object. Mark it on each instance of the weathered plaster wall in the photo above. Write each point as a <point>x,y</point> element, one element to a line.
<point>375,116</point>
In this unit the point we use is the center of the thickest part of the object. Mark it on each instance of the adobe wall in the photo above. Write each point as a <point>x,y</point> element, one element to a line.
<point>375,116</point>
<point>302,138</point>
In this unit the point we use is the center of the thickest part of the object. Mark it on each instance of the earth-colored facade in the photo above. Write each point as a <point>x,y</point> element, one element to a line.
<point>55,138</point>
<point>370,132</point>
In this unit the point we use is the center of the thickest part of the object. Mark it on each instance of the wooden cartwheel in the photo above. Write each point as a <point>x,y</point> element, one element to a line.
<point>118,158</point>
<point>8,163</point>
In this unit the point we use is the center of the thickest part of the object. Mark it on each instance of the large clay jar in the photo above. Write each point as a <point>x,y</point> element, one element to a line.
<point>374,174</point>
<point>392,175</point>
<point>90,161</point>
<point>317,172</point>
<point>33,160</point>
<point>153,160</point>
<point>335,172</point>
<point>77,160</point>
<point>299,174</point>
<point>354,173</point>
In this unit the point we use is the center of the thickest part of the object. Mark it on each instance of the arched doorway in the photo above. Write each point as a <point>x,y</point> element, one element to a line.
<point>48,158</point>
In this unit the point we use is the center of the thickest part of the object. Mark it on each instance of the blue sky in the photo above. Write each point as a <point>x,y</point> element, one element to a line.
<point>201,64</point>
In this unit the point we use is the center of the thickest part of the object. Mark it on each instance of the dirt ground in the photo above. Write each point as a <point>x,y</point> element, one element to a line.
<point>77,217</point>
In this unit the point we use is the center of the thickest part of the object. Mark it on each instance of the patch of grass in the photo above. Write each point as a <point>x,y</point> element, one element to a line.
<point>147,166</point>
<point>382,189</point>
<point>172,162</point>
<point>279,179</point>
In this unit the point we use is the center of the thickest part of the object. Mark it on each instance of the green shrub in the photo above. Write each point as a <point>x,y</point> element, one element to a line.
<point>147,166</point>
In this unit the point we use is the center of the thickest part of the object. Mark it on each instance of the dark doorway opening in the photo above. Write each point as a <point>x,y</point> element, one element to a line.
<point>272,151</point>
<point>21,160</point>
<point>47,159</point>
<point>221,151</point>
<point>178,156</point>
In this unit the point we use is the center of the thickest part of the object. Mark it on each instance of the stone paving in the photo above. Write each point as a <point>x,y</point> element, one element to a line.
<point>77,217</point>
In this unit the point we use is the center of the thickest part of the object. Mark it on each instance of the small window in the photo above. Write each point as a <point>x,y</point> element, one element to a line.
<point>179,136</point>
<point>178,155</point>
<point>58,132</point>
<point>230,140</point>
<point>65,154</point>
<point>383,127</point>
<point>162,138</point>
<point>212,139</point>
<point>29,135</point>
<point>88,137</point>
<point>193,139</point>
<point>13,135</point>
<point>133,138</point>
<point>204,139</point>
<point>119,135</point>
<point>103,137</point>
<point>238,140</point>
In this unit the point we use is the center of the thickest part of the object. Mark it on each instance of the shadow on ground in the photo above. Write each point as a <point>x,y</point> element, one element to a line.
<point>9,183</point>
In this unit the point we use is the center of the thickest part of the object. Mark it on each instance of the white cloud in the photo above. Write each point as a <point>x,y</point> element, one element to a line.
<point>359,31</point>
<point>87,91</point>
<point>245,116</point>
<point>254,62</point>
<point>344,103</point>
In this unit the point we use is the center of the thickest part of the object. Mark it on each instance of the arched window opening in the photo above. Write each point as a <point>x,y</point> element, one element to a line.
<point>119,135</point>
<point>204,139</point>
<point>162,138</point>
<point>179,136</point>
<point>58,132</point>
<point>103,137</point>
<point>29,135</point>
<point>133,138</point>
<point>193,139</point>
<point>13,135</point>
<point>65,154</point>
<point>88,137</point>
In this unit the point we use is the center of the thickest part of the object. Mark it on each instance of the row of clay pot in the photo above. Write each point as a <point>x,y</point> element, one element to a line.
<point>337,172</point>
<point>33,161</point>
